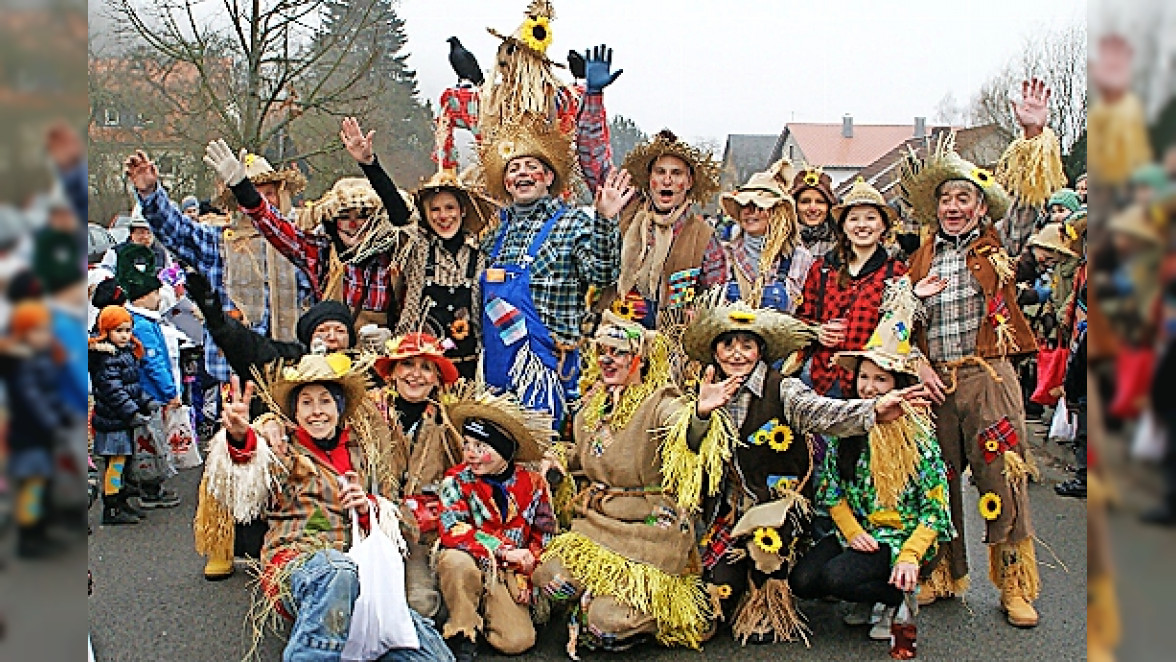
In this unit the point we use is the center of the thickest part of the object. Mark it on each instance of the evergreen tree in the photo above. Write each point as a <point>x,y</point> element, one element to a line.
<point>624,135</point>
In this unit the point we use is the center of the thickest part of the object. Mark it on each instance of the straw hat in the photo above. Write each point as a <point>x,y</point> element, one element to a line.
<point>259,171</point>
<point>477,209</point>
<point>412,345</point>
<point>317,369</point>
<point>763,189</point>
<point>1051,238</point>
<point>862,193</point>
<point>1134,222</point>
<point>920,179</point>
<point>702,164</point>
<point>816,179</point>
<point>892,341</point>
<point>781,334</point>
<point>530,136</point>
<point>530,429</point>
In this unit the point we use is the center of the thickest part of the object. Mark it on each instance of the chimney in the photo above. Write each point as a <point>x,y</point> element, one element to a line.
<point>920,127</point>
<point>847,126</point>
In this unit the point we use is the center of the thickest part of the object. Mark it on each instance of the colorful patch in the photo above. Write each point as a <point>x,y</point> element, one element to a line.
<point>559,589</point>
<point>781,484</point>
<point>998,311</point>
<point>997,438</point>
<point>318,522</point>
<point>509,321</point>
<point>681,284</point>
<point>488,541</point>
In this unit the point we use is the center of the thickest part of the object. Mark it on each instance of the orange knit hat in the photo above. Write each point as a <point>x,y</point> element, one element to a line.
<point>110,319</point>
<point>28,315</point>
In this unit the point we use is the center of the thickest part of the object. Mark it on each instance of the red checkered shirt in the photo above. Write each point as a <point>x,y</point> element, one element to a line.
<point>366,286</point>
<point>858,303</point>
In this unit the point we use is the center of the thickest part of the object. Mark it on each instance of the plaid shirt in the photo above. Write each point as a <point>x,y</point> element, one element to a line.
<point>859,303</point>
<point>366,286</point>
<point>581,251</point>
<point>593,143</point>
<point>803,409</point>
<point>472,521</point>
<point>953,317</point>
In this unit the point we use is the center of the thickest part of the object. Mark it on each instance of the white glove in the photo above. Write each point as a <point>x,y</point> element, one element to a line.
<point>220,158</point>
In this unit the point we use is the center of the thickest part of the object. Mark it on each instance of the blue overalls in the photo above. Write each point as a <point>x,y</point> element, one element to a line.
<point>520,355</point>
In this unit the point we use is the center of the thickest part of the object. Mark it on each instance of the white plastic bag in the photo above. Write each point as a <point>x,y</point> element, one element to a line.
<point>1062,427</point>
<point>181,438</point>
<point>1150,440</point>
<point>380,619</point>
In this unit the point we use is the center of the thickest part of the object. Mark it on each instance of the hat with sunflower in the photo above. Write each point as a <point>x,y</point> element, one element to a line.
<point>530,135</point>
<point>290,179</point>
<point>815,179</point>
<point>705,169</point>
<point>891,344</point>
<point>535,31</point>
<point>920,180</point>
<point>280,383</point>
<point>531,430</point>
<point>782,335</point>
<point>412,345</point>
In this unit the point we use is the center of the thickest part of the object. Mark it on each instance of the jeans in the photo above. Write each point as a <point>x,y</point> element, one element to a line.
<point>323,590</point>
<point>847,574</point>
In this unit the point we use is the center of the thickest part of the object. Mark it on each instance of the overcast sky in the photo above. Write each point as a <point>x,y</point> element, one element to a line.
<point>707,68</point>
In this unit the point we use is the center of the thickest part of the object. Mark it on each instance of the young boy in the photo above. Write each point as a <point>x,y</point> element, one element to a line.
<point>136,275</point>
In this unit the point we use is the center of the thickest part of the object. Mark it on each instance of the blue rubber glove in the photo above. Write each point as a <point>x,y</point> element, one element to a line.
<point>1043,292</point>
<point>597,64</point>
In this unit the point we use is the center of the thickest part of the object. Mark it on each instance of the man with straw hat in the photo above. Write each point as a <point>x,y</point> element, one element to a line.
<point>349,261</point>
<point>496,518</point>
<point>757,501</point>
<point>970,329</point>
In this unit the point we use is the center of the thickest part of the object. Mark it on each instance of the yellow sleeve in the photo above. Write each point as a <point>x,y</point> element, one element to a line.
<point>916,546</point>
<point>846,523</point>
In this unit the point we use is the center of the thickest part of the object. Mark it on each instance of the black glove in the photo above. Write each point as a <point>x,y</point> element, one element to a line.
<point>139,420</point>
<point>576,65</point>
<point>206,299</point>
<point>1026,296</point>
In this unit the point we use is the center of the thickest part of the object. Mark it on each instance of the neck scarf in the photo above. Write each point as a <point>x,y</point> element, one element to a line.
<point>643,260</point>
<point>817,233</point>
<point>497,484</point>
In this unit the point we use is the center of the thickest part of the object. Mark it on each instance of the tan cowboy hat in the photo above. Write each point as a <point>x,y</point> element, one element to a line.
<point>530,136</point>
<point>891,344</point>
<point>782,334</point>
<point>702,164</point>
<point>478,211</point>
<point>259,171</point>
<point>334,368</point>
<point>763,189</point>
<point>530,429</point>
<point>920,179</point>
<point>1051,238</point>
<point>862,193</point>
<point>815,179</point>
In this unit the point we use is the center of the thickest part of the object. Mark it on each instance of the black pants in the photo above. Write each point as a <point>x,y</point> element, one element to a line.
<point>847,574</point>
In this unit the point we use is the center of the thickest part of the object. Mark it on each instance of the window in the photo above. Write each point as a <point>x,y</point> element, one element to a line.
<point>791,152</point>
<point>111,117</point>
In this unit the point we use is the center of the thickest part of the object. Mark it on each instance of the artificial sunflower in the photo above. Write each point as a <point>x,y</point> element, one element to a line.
<point>989,506</point>
<point>459,330</point>
<point>761,437</point>
<point>982,177</point>
<point>723,591</point>
<point>768,539</point>
<point>991,445</point>
<point>812,178</point>
<point>741,316</point>
<point>229,235</point>
<point>1071,232</point>
<point>624,309</point>
<point>506,149</point>
<point>780,438</point>
<point>536,34</point>
<point>250,159</point>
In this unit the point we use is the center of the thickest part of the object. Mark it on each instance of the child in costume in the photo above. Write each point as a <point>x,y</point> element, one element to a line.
<point>120,405</point>
<point>886,490</point>
<point>496,519</point>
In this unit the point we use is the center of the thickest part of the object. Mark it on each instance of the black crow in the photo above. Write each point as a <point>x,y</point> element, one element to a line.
<point>464,64</point>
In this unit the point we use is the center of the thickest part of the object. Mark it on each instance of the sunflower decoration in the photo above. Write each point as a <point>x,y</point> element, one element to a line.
<point>506,149</point>
<point>768,539</point>
<point>229,235</point>
<point>459,329</point>
<point>991,445</point>
<point>536,33</point>
<point>989,506</point>
<point>812,178</point>
<point>982,177</point>
<point>780,438</point>
<point>723,591</point>
<point>250,159</point>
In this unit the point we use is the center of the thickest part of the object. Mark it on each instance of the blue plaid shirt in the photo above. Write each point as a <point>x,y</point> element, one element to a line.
<point>581,251</point>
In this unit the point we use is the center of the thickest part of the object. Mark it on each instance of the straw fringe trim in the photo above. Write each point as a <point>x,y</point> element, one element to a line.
<point>770,609</point>
<point>1031,169</point>
<point>682,469</point>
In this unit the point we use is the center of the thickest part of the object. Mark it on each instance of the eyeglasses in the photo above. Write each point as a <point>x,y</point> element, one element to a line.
<point>613,352</point>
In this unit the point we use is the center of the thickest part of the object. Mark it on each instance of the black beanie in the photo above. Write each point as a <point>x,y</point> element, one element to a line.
<point>325,311</point>
<point>108,293</point>
<point>490,434</point>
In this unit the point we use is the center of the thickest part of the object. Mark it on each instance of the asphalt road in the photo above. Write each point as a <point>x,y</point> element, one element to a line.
<point>151,602</point>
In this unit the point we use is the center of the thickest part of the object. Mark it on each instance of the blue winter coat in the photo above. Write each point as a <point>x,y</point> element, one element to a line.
<point>36,408</point>
<point>114,379</point>
<point>155,368</point>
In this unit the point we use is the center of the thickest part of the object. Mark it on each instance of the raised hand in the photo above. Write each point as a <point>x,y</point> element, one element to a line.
<point>358,145</point>
<point>229,168</point>
<point>712,394</point>
<point>64,145</point>
<point>142,172</point>
<point>615,193</point>
<point>235,417</point>
<point>1033,111</point>
<point>597,64</point>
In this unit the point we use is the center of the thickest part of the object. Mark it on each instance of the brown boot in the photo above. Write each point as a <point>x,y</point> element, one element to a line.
<point>1013,568</point>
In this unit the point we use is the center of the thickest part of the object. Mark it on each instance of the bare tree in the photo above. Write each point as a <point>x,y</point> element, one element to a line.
<point>1057,57</point>
<point>949,111</point>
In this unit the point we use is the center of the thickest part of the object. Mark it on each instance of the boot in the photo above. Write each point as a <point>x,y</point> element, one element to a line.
<point>124,504</point>
<point>1013,568</point>
<point>1075,487</point>
<point>220,562</point>
<point>34,543</point>
<point>113,514</point>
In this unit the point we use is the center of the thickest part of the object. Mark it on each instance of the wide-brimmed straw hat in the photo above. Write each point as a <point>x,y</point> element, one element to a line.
<point>921,179</point>
<point>891,344</point>
<point>1135,222</point>
<point>1051,237</point>
<point>763,189</point>
<point>533,136</point>
<point>703,166</point>
<point>781,334</point>
<point>338,369</point>
<point>259,171</point>
<point>411,345</point>
<point>531,430</point>
<point>862,193</point>
<point>478,209</point>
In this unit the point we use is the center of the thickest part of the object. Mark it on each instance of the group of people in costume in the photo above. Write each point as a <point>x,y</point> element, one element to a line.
<point>607,413</point>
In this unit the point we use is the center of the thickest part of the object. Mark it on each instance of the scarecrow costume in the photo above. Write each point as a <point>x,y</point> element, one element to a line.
<point>770,269</point>
<point>628,564</point>
<point>484,517</point>
<point>832,291</point>
<point>970,332</point>
<point>1030,170</point>
<point>255,283</point>
<point>818,239</point>
<point>423,445</point>
<point>667,255</point>
<point>757,510</point>
<point>890,483</point>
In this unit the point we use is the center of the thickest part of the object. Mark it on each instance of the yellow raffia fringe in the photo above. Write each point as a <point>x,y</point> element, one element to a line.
<point>1012,567</point>
<point>1031,169</point>
<point>770,609</point>
<point>1003,265</point>
<point>680,604</point>
<point>941,584</point>
<point>1016,471</point>
<point>561,500</point>
<point>894,455</point>
<point>633,396</point>
<point>682,469</point>
<point>1118,139</point>
<point>1103,626</point>
<point>212,528</point>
